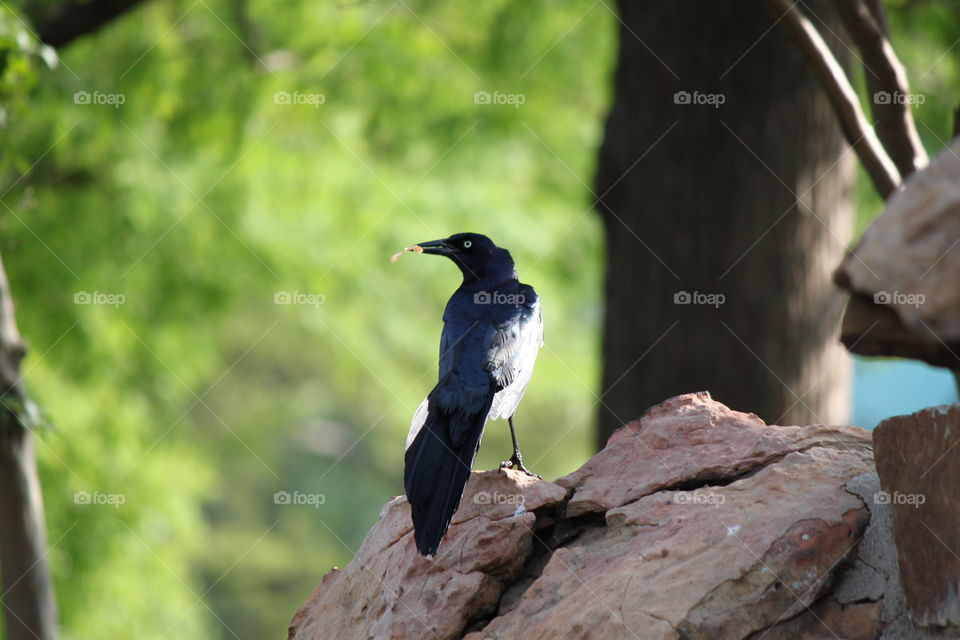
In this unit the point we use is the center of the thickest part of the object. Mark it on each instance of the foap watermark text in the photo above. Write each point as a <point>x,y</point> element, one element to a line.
<point>898,97</point>
<point>497,297</point>
<point>96,498</point>
<point>912,499</point>
<point>699,497</point>
<point>485,497</point>
<point>296,297</point>
<point>899,297</point>
<point>99,297</point>
<point>698,297</point>
<point>99,98</point>
<point>697,98</point>
<point>498,98</point>
<point>297,97</point>
<point>298,498</point>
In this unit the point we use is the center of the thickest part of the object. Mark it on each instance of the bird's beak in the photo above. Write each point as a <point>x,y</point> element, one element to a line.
<point>437,248</point>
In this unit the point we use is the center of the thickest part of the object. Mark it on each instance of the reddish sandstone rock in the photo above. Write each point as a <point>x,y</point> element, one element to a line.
<point>905,268</point>
<point>390,591</point>
<point>717,562</point>
<point>689,438</point>
<point>694,522</point>
<point>918,461</point>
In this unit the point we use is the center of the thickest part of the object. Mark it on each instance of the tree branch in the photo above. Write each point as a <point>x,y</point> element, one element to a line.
<point>28,602</point>
<point>858,131</point>
<point>60,24</point>
<point>886,83</point>
<point>879,16</point>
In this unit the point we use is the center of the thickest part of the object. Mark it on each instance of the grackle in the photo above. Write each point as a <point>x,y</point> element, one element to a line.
<point>492,330</point>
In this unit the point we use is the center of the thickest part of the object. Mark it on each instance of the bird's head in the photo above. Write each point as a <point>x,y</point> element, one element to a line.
<point>476,255</point>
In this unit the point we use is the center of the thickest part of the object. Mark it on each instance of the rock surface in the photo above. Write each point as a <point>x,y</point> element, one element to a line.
<point>918,462</point>
<point>908,260</point>
<point>694,522</point>
<point>389,590</point>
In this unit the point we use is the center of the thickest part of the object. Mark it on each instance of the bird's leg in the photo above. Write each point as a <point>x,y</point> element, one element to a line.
<point>516,462</point>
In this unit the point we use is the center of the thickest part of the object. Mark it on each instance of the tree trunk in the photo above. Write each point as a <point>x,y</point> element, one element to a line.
<point>28,602</point>
<point>749,199</point>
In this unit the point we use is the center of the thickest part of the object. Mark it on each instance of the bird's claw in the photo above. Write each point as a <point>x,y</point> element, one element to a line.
<point>517,463</point>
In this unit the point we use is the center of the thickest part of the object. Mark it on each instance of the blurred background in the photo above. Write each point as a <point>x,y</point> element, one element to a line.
<point>200,200</point>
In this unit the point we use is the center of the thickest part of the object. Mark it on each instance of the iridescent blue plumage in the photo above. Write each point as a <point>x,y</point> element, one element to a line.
<point>491,334</point>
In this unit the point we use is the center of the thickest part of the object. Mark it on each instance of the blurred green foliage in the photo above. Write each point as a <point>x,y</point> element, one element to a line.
<point>172,173</point>
<point>200,159</point>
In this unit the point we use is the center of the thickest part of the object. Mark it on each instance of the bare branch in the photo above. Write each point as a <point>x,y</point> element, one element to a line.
<point>886,83</point>
<point>879,15</point>
<point>858,131</point>
<point>59,24</point>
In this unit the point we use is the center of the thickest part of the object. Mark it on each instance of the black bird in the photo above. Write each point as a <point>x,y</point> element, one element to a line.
<point>492,330</point>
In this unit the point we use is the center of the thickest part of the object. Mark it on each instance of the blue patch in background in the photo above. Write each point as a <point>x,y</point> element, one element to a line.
<point>884,387</point>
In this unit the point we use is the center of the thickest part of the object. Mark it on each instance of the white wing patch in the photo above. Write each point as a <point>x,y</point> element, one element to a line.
<point>520,358</point>
<point>419,419</point>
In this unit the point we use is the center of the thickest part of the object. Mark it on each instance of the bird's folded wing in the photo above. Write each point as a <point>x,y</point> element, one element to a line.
<point>465,388</point>
<point>512,345</point>
<point>495,355</point>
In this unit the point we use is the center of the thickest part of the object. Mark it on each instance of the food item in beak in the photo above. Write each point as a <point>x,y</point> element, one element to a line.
<point>415,249</point>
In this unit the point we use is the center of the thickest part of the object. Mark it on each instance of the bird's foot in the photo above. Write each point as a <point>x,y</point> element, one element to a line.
<point>516,462</point>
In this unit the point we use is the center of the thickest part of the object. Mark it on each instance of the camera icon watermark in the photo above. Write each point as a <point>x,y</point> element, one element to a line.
<point>711,299</point>
<point>497,297</point>
<point>900,298</point>
<point>699,497</point>
<point>487,498</point>
<point>296,297</point>
<point>912,499</point>
<point>899,97</point>
<point>97,98</point>
<point>99,298</point>
<point>497,98</point>
<point>697,98</point>
<point>297,498</point>
<point>312,99</point>
<point>114,500</point>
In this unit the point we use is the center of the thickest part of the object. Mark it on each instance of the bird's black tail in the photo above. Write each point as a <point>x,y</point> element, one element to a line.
<point>437,467</point>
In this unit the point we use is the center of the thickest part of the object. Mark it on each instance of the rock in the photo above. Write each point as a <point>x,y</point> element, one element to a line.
<point>689,439</point>
<point>827,619</point>
<point>694,522</point>
<point>389,590</point>
<point>874,575</point>
<point>908,259</point>
<point>876,330</point>
<point>719,567</point>
<point>918,462</point>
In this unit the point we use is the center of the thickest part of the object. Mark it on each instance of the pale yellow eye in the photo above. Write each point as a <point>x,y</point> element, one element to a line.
<point>467,244</point>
